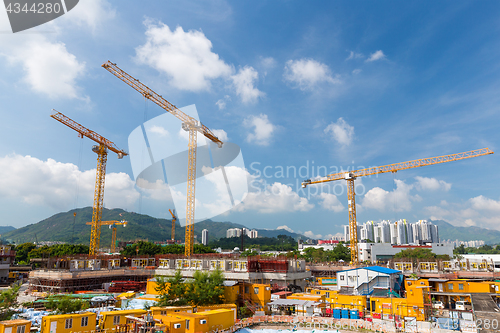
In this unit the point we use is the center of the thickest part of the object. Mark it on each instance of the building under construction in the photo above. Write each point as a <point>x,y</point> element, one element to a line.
<point>74,273</point>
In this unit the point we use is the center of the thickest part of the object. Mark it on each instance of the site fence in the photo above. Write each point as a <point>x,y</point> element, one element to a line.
<point>331,324</point>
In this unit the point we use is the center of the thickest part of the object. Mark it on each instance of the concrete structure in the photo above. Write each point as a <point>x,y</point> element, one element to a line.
<point>374,252</point>
<point>204,237</point>
<point>6,259</point>
<point>325,245</point>
<point>364,281</point>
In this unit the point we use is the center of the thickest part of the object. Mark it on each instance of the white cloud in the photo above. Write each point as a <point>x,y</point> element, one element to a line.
<point>268,62</point>
<point>356,71</point>
<point>285,227</point>
<point>91,13</point>
<point>162,132</point>
<point>330,202</point>
<point>483,203</point>
<point>221,134</point>
<point>353,55</point>
<point>307,73</point>
<point>48,67</point>
<point>478,211</point>
<point>53,184</point>
<point>263,129</point>
<point>398,200</point>
<point>275,198</point>
<point>312,235</point>
<point>341,131</point>
<point>186,57</point>
<point>378,55</point>
<point>244,84</point>
<point>431,184</point>
<point>221,103</point>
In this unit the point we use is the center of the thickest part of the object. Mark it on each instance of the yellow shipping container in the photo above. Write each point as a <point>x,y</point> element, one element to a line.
<point>74,322</point>
<point>194,322</point>
<point>15,326</point>
<point>109,319</point>
<point>220,319</point>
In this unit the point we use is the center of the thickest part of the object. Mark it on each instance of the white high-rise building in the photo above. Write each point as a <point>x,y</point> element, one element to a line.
<point>234,232</point>
<point>400,232</point>
<point>204,237</point>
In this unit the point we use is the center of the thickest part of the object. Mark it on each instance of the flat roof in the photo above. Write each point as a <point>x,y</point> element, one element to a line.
<point>298,302</point>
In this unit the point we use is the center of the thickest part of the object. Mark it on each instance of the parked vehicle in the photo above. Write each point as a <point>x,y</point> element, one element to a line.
<point>462,305</point>
<point>437,305</point>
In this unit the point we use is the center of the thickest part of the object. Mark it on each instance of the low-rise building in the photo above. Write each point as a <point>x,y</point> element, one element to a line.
<point>365,280</point>
<point>377,252</point>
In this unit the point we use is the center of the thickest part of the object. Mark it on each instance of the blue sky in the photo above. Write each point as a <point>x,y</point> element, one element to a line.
<point>333,85</point>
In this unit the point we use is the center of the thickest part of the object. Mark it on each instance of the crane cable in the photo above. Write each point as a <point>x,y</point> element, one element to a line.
<point>77,188</point>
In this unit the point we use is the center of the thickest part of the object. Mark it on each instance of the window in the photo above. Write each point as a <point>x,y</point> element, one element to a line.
<point>318,293</point>
<point>187,324</point>
<point>460,286</point>
<point>341,278</point>
<point>203,321</point>
<point>85,321</point>
<point>116,320</point>
<point>247,290</point>
<point>450,286</point>
<point>69,323</point>
<point>20,329</point>
<point>327,294</point>
<point>177,325</point>
<point>256,290</point>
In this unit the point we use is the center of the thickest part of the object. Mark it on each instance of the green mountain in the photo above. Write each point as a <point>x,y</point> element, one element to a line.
<point>5,229</point>
<point>449,231</point>
<point>66,227</point>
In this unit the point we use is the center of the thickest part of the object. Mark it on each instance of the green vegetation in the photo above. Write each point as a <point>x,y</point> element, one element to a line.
<point>421,254</point>
<point>205,289</point>
<point>27,251</point>
<point>485,249</point>
<point>8,301</point>
<point>280,243</point>
<point>339,252</point>
<point>149,248</point>
<point>62,304</point>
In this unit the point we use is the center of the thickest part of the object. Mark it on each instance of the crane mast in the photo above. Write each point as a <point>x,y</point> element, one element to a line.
<point>174,218</point>
<point>190,124</point>
<point>102,155</point>
<point>350,176</point>
<point>112,225</point>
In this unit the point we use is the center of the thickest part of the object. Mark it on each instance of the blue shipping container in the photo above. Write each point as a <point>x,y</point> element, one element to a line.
<point>336,313</point>
<point>345,313</point>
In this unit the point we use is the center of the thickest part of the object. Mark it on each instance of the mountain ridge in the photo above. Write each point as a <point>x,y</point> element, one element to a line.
<point>65,227</point>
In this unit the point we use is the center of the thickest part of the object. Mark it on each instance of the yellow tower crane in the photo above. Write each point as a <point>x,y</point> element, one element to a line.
<point>189,124</point>
<point>350,176</point>
<point>102,155</point>
<point>112,226</point>
<point>174,218</point>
